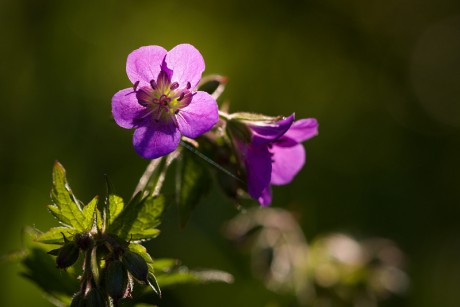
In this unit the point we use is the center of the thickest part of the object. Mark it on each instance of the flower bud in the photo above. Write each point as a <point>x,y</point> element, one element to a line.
<point>77,300</point>
<point>136,265</point>
<point>83,240</point>
<point>94,298</point>
<point>239,131</point>
<point>116,279</point>
<point>68,255</point>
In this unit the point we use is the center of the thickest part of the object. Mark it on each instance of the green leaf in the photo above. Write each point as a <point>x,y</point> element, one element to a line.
<point>138,222</point>
<point>164,265</point>
<point>54,235</point>
<point>41,269</point>
<point>114,207</point>
<point>192,182</point>
<point>65,207</point>
<point>88,213</point>
<point>184,276</point>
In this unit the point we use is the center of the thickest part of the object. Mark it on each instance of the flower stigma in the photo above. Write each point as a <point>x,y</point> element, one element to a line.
<point>162,99</point>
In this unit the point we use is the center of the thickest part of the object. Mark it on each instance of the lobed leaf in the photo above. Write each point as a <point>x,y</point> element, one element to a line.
<point>138,221</point>
<point>184,276</point>
<point>114,207</point>
<point>54,235</point>
<point>65,207</point>
<point>88,213</point>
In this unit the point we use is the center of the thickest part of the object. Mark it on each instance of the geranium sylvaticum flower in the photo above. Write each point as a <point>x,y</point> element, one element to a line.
<point>273,153</point>
<point>163,103</point>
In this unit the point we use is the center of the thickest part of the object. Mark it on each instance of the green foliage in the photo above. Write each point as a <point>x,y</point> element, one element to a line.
<point>137,221</point>
<point>99,243</point>
<point>192,182</point>
<point>65,207</point>
<point>56,235</point>
<point>41,269</point>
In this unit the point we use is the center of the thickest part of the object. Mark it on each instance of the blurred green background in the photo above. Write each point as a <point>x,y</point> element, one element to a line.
<point>382,78</point>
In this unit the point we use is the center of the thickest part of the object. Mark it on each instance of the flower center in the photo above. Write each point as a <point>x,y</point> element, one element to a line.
<point>163,99</point>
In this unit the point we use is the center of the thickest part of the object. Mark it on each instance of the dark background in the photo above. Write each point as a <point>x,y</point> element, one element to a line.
<point>382,78</point>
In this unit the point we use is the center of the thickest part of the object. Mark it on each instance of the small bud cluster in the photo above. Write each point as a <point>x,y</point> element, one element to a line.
<point>109,268</point>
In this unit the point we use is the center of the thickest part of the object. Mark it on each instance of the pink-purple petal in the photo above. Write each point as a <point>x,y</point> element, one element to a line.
<point>186,64</point>
<point>303,129</point>
<point>144,64</point>
<point>263,133</point>
<point>156,139</point>
<point>126,109</point>
<point>288,159</point>
<point>258,169</point>
<point>199,116</point>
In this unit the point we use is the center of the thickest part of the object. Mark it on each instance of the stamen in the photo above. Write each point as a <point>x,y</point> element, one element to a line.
<point>134,88</point>
<point>136,84</point>
<point>174,86</point>
<point>176,112</point>
<point>159,112</point>
<point>181,96</point>
<point>174,120</point>
<point>153,84</point>
<point>188,85</point>
<point>147,114</point>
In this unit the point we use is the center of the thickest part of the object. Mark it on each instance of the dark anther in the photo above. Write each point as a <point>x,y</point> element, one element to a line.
<point>188,85</point>
<point>181,96</point>
<point>176,112</point>
<point>136,84</point>
<point>153,84</point>
<point>174,86</point>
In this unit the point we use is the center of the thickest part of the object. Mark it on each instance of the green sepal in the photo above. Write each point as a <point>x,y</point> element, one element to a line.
<point>95,265</point>
<point>95,298</point>
<point>77,300</point>
<point>213,85</point>
<point>239,131</point>
<point>68,255</point>
<point>136,266</point>
<point>254,117</point>
<point>153,283</point>
<point>116,279</point>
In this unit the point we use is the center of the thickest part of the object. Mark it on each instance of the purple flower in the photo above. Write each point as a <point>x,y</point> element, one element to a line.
<point>163,103</point>
<point>274,155</point>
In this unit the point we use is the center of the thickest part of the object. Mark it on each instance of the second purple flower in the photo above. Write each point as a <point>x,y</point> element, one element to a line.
<point>162,105</point>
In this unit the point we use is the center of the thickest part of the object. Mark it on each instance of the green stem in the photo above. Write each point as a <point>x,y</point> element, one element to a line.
<point>224,115</point>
